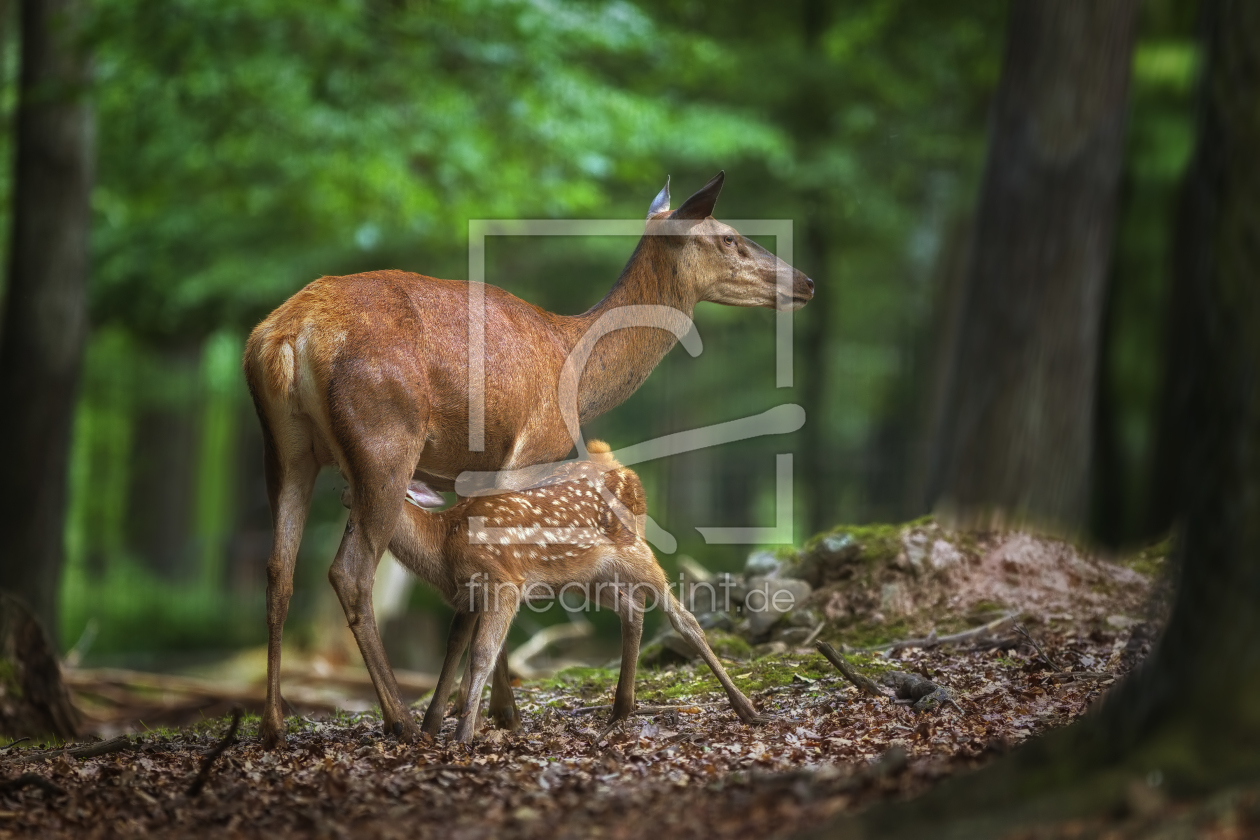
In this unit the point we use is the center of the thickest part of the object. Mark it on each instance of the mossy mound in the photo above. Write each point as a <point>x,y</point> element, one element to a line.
<point>878,583</point>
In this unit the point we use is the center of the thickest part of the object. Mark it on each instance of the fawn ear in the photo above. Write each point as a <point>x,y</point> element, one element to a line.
<point>660,204</point>
<point>423,496</point>
<point>700,205</point>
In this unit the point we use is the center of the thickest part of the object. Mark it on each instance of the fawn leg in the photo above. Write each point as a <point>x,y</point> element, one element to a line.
<point>462,627</point>
<point>687,626</point>
<point>290,474</point>
<point>492,630</point>
<point>630,609</point>
<point>502,701</point>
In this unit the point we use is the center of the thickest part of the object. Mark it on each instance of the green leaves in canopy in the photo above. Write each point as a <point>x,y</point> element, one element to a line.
<point>246,148</point>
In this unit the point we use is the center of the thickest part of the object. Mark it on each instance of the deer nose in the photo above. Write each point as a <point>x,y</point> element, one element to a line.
<point>810,283</point>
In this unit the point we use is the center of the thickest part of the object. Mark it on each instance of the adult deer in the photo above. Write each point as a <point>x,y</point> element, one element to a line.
<point>370,373</point>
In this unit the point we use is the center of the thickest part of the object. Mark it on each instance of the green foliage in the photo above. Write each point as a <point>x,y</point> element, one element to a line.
<point>134,609</point>
<point>246,150</point>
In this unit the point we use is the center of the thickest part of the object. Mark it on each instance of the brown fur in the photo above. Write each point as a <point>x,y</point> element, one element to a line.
<point>369,373</point>
<point>576,533</point>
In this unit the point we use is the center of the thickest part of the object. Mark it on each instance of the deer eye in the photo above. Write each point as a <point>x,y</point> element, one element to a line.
<point>728,239</point>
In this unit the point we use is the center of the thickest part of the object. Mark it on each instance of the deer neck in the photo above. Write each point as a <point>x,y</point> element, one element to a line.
<point>419,544</point>
<point>622,359</point>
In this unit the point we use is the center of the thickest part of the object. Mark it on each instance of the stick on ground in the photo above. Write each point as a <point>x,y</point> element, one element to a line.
<point>122,742</point>
<point>865,684</point>
<point>1045,657</point>
<point>213,756</point>
<point>650,710</point>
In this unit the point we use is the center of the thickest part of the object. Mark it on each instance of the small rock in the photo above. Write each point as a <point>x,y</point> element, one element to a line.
<point>802,618</point>
<point>837,543</point>
<point>762,564</point>
<point>793,637</point>
<point>717,594</point>
<point>769,599</point>
<point>716,621</point>
<point>770,649</point>
<point>944,555</point>
<point>915,545</point>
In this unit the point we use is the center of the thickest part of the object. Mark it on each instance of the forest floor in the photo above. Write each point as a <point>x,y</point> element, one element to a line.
<point>685,765</point>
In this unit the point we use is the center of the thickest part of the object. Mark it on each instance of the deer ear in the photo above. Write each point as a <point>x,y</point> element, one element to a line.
<point>701,204</point>
<point>660,204</point>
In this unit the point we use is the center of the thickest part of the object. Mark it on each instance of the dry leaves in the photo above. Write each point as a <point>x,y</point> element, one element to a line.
<point>693,770</point>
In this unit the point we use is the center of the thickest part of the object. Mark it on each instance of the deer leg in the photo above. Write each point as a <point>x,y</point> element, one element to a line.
<point>464,682</point>
<point>492,630</point>
<point>462,628</point>
<point>379,485</point>
<point>290,475</point>
<point>687,626</point>
<point>630,610</point>
<point>502,702</point>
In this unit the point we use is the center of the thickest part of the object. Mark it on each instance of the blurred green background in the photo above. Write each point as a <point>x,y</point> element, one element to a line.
<point>244,149</point>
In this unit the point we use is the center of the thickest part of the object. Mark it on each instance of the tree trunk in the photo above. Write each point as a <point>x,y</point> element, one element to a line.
<point>1188,718</point>
<point>44,320</point>
<point>33,699</point>
<point>1016,438</point>
<point>1206,675</point>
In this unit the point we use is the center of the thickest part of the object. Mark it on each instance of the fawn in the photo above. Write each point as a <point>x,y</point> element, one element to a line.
<point>488,554</point>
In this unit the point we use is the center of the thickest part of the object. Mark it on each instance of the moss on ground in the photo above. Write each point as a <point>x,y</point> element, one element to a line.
<point>1151,561</point>
<point>878,543</point>
<point>694,681</point>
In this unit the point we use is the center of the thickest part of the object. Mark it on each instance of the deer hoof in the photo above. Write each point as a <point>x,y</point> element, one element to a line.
<point>272,737</point>
<point>508,718</point>
<point>402,730</point>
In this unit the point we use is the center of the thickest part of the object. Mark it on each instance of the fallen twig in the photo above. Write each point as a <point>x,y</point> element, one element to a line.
<point>864,684</point>
<point>31,780</point>
<point>648,710</point>
<point>932,640</point>
<point>122,742</point>
<point>213,756</point>
<point>12,744</point>
<point>1021,630</point>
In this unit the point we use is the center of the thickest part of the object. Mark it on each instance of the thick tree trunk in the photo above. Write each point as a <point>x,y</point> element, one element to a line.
<point>1016,437</point>
<point>33,699</point>
<point>1188,719</point>
<point>44,320</point>
<point>1207,672</point>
